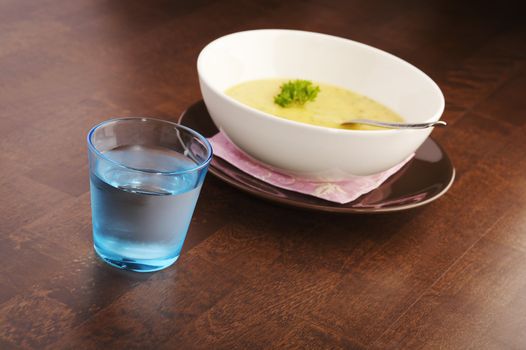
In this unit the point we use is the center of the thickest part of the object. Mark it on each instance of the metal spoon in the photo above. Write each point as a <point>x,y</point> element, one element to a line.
<point>439,123</point>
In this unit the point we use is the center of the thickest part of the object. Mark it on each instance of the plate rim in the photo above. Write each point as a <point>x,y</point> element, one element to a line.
<point>315,207</point>
<point>333,209</point>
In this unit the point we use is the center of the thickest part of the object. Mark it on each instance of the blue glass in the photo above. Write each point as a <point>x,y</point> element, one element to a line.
<point>145,178</point>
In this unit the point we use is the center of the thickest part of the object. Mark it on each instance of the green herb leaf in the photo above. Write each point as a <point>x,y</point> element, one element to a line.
<point>296,92</point>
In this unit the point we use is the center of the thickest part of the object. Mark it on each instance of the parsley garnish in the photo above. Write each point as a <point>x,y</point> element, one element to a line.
<point>296,92</point>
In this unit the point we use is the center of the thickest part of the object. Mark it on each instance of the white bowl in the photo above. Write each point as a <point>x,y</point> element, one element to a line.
<point>314,151</point>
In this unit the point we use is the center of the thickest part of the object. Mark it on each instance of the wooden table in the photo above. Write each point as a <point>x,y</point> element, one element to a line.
<point>253,274</point>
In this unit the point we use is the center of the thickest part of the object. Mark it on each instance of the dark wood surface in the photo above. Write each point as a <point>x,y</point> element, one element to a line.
<point>255,275</point>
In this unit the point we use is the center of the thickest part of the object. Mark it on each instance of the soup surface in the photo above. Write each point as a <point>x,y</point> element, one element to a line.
<point>333,105</point>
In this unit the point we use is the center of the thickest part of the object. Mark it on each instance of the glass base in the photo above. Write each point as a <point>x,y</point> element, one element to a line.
<point>137,265</point>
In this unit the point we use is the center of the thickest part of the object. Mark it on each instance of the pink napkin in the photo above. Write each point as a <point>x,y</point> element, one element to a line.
<point>339,192</point>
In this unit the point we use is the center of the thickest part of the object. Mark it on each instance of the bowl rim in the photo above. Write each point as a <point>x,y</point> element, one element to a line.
<point>436,116</point>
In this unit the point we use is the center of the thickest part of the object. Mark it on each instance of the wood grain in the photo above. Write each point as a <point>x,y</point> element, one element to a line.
<point>254,274</point>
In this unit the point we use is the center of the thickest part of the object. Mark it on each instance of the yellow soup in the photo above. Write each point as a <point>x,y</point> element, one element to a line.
<point>333,105</point>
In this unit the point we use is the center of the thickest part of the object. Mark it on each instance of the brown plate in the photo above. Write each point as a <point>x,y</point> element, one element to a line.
<point>422,180</point>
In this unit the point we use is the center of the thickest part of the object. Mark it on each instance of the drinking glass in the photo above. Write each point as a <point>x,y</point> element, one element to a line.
<point>145,178</point>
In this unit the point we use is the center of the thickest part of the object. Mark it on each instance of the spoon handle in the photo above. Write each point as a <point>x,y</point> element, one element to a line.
<point>439,123</point>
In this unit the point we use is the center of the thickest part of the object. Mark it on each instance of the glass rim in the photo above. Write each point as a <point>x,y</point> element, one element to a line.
<point>197,135</point>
